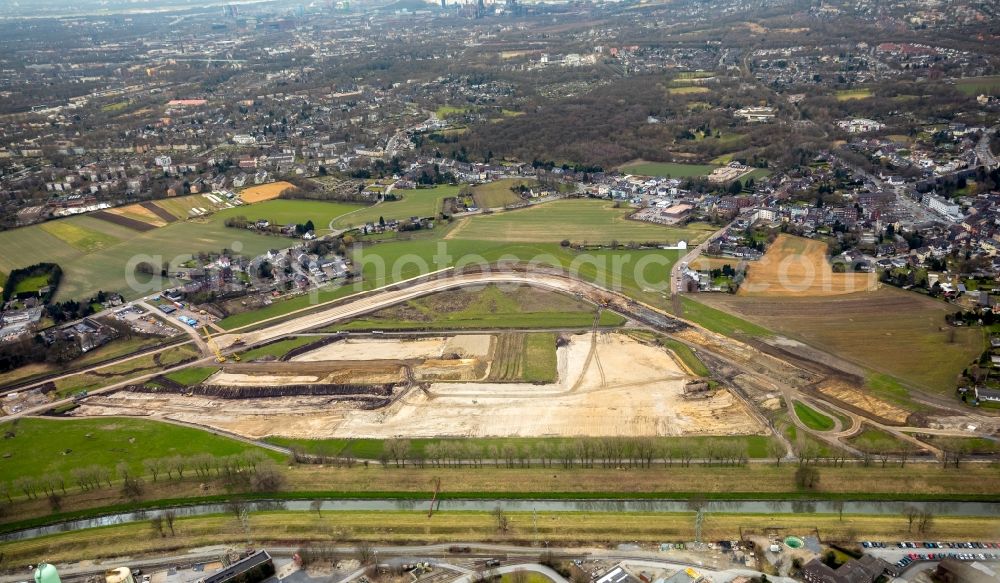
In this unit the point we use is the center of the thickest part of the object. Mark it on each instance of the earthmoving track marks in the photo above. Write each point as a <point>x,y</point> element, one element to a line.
<point>591,356</point>
<point>508,357</point>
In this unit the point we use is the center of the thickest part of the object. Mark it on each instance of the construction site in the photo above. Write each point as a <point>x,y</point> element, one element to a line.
<point>445,386</point>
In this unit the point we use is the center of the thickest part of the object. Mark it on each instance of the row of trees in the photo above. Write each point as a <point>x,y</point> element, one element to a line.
<point>249,471</point>
<point>585,452</point>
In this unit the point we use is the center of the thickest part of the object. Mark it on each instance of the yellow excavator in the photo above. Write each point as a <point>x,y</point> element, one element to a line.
<point>219,357</point>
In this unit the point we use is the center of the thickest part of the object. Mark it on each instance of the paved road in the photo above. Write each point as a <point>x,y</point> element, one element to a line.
<point>526,554</point>
<point>678,268</point>
<point>983,153</point>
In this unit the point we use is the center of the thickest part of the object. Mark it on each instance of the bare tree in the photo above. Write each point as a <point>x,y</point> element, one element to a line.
<point>910,513</point>
<point>169,517</point>
<point>152,467</point>
<point>502,521</point>
<point>157,523</point>
<point>777,450</point>
<point>924,521</point>
<point>838,505</point>
<point>364,552</point>
<point>317,507</point>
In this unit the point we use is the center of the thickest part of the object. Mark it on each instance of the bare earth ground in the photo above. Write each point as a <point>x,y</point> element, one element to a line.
<point>265,191</point>
<point>797,267</point>
<point>622,388</point>
<point>374,349</point>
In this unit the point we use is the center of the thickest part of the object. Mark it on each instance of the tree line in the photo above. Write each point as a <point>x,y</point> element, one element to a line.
<point>584,452</point>
<point>248,471</point>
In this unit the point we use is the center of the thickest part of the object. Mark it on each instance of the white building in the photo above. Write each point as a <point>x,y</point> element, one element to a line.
<point>756,114</point>
<point>860,125</point>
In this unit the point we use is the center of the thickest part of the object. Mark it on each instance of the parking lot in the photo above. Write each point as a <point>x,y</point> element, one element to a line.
<point>903,554</point>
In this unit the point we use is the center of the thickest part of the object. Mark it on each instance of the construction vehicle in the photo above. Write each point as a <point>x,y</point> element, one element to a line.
<point>219,357</point>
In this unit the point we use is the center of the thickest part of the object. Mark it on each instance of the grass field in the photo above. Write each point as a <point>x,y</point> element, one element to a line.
<point>524,358</point>
<point>192,376</point>
<point>110,350</point>
<point>979,85</point>
<point>78,237</point>
<point>529,577</point>
<point>687,356</point>
<point>277,349</point>
<point>415,527</point>
<point>421,202</point>
<point>592,221</point>
<point>798,267</point>
<point>667,169</point>
<point>540,358</point>
<point>264,192</point>
<point>373,448</point>
<point>122,371</point>
<point>446,111</point>
<point>491,307</point>
<point>875,440</point>
<point>32,284</point>
<point>812,418</point>
<point>42,446</point>
<point>688,90</point>
<point>869,329</point>
<point>850,94</point>
<point>718,320</point>
<point>499,194</point>
<point>182,206</point>
<point>286,212</point>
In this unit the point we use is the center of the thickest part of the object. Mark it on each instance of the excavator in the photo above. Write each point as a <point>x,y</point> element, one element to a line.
<point>219,357</point>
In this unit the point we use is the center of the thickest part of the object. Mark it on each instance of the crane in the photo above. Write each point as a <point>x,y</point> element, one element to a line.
<point>219,357</point>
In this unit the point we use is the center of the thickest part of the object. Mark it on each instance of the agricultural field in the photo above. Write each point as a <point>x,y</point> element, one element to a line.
<point>643,274</point>
<point>79,237</point>
<point>42,446</point>
<point>141,213</point>
<point>415,527</point>
<point>979,85</point>
<point>869,329</point>
<point>420,202</point>
<point>578,221</point>
<point>667,169</point>
<point>94,253</point>
<point>446,111</point>
<point>264,192</point>
<point>798,267</point>
<point>852,94</point>
<point>286,212</point>
<point>192,205</point>
<point>499,194</point>
<point>688,90</point>
<point>491,307</point>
